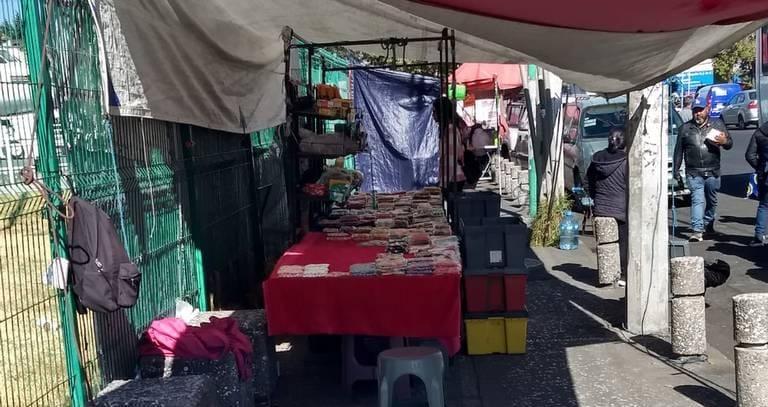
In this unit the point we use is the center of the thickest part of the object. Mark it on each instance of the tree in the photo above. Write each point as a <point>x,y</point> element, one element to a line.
<point>739,59</point>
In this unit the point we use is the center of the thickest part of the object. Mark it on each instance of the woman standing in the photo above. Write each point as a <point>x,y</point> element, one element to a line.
<point>607,177</point>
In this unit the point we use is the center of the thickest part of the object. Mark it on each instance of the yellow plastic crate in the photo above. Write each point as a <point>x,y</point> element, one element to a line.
<point>501,333</point>
<point>517,334</point>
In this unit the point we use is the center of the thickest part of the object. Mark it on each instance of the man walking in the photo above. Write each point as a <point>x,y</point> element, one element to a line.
<point>699,143</point>
<point>757,157</point>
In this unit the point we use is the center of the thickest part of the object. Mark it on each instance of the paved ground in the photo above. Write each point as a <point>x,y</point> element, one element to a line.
<point>749,266</point>
<point>577,356</point>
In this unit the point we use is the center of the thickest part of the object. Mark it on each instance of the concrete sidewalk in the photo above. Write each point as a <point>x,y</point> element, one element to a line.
<point>578,355</point>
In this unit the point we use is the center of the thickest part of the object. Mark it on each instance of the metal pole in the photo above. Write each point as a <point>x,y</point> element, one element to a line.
<point>441,140</point>
<point>533,179</point>
<point>380,41</point>
<point>453,113</point>
<point>48,167</point>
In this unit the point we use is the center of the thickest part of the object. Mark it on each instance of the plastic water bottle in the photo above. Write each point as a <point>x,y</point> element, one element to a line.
<point>569,232</point>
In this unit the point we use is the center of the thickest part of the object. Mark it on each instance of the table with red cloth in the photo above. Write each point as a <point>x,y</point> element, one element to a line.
<point>395,306</point>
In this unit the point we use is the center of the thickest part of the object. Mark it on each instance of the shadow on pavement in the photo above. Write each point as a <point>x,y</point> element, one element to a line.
<point>744,220</point>
<point>580,273</point>
<point>705,396</point>
<point>734,185</point>
<point>759,274</point>
<point>655,345</point>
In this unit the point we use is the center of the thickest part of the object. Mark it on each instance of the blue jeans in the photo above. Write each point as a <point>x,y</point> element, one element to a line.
<point>761,219</point>
<point>703,201</point>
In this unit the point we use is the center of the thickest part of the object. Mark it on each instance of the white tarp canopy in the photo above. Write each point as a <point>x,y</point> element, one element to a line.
<point>218,63</point>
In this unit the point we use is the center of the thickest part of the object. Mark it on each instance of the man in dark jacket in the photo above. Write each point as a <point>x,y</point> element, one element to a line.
<point>607,178</point>
<point>757,157</point>
<point>699,143</point>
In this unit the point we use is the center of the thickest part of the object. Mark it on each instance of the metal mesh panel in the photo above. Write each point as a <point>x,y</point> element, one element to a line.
<point>271,179</point>
<point>225,214</point>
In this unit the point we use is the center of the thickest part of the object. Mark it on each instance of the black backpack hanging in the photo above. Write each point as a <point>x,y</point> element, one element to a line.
<point>103,278</point>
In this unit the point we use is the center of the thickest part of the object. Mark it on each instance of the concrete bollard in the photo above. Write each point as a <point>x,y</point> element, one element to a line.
<point>606,230</point>
<point>750,329</point>
<point>752,376</point>
<point>608,253</point>
<point>608,263</point>
<point>689,325</point>
<point>750,319</point>
<point>502,177</point>
<point>687,276</point>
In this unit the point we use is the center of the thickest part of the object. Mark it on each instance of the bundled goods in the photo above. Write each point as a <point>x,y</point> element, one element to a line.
<point>397,245</point>
<point>391,264</point>
<point>290,271</point>
<point>338,236</point>
<point>420,266</point>
<point>446,265</point>
<point>365,269</point>
<point>419,239</point>
<point>442,230</point>
<point>316,270</point>
<point>385,223</point>
<point>359,201</point>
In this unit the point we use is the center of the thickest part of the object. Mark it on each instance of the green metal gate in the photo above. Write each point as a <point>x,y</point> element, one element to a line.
<point>185,201</point>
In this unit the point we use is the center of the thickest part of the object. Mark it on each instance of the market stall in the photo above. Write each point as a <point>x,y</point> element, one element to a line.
<point>391,271</point>
<point>323,123</point>
<point>366,263</point>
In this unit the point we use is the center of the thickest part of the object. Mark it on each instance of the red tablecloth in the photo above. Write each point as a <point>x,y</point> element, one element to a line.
<point>408,306</point>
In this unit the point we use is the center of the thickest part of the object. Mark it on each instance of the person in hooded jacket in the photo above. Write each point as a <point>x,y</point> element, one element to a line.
<point>607,181</point>
<point>757,157</point>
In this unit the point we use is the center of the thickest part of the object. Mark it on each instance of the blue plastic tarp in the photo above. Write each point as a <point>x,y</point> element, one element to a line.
<point>403,147</point>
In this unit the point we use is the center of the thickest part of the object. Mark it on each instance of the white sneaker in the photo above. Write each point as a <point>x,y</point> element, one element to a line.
<point>621,283</point>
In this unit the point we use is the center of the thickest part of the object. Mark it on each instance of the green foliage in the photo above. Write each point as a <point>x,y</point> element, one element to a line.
<point>739,59</point>
<point>389,59</point>
<point>12,29</point>
<point>545,230</point>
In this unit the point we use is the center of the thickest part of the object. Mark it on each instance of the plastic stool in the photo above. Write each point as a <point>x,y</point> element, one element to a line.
<point>423,362</point>
<point>352,370</point>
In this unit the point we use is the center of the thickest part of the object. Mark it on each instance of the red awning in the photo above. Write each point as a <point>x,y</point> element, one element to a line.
<point>479,77</point>
<point>612,15</point>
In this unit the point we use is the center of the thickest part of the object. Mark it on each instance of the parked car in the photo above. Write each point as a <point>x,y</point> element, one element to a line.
<point>588,123</point>
<point>742,110</point>
<point>719,96</point>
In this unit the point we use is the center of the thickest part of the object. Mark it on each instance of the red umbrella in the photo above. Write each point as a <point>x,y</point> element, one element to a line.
<point>480,77</point>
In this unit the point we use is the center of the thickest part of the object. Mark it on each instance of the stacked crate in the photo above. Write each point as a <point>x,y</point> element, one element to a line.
<point>495,278</point>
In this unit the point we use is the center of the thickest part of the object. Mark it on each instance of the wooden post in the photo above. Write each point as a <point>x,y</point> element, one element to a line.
<point>648,266</point>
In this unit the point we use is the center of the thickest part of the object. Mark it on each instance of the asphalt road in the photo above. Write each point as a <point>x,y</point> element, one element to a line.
<point>736,222</point>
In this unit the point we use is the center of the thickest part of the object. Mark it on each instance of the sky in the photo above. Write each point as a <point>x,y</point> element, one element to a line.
<point>9,9</point>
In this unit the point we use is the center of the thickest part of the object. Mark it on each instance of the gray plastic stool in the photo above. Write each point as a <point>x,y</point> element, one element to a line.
<point>423,362</point>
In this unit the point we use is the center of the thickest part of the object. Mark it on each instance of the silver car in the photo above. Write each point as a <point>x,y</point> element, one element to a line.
<point>742,111</point>
<point>588,123</point>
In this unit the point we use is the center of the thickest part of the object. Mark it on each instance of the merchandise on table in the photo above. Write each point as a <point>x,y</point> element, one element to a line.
<point>411,227</point>
<point>316,270</point>
<point>364,269</point>
<point>290,271</point>
<point>391,264</point>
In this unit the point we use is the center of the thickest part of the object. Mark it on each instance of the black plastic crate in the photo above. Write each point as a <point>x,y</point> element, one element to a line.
<point>493,245</point>
<point>474,205</point>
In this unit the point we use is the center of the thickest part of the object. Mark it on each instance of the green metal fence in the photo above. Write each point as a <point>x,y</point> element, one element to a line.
<point>187,202</point>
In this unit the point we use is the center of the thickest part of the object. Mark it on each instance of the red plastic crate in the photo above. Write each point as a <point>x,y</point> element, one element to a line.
<point>515,297</point>
<point>495,292</point>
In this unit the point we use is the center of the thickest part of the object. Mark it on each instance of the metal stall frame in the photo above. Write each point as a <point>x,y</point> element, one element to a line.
<point>446,44</point>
